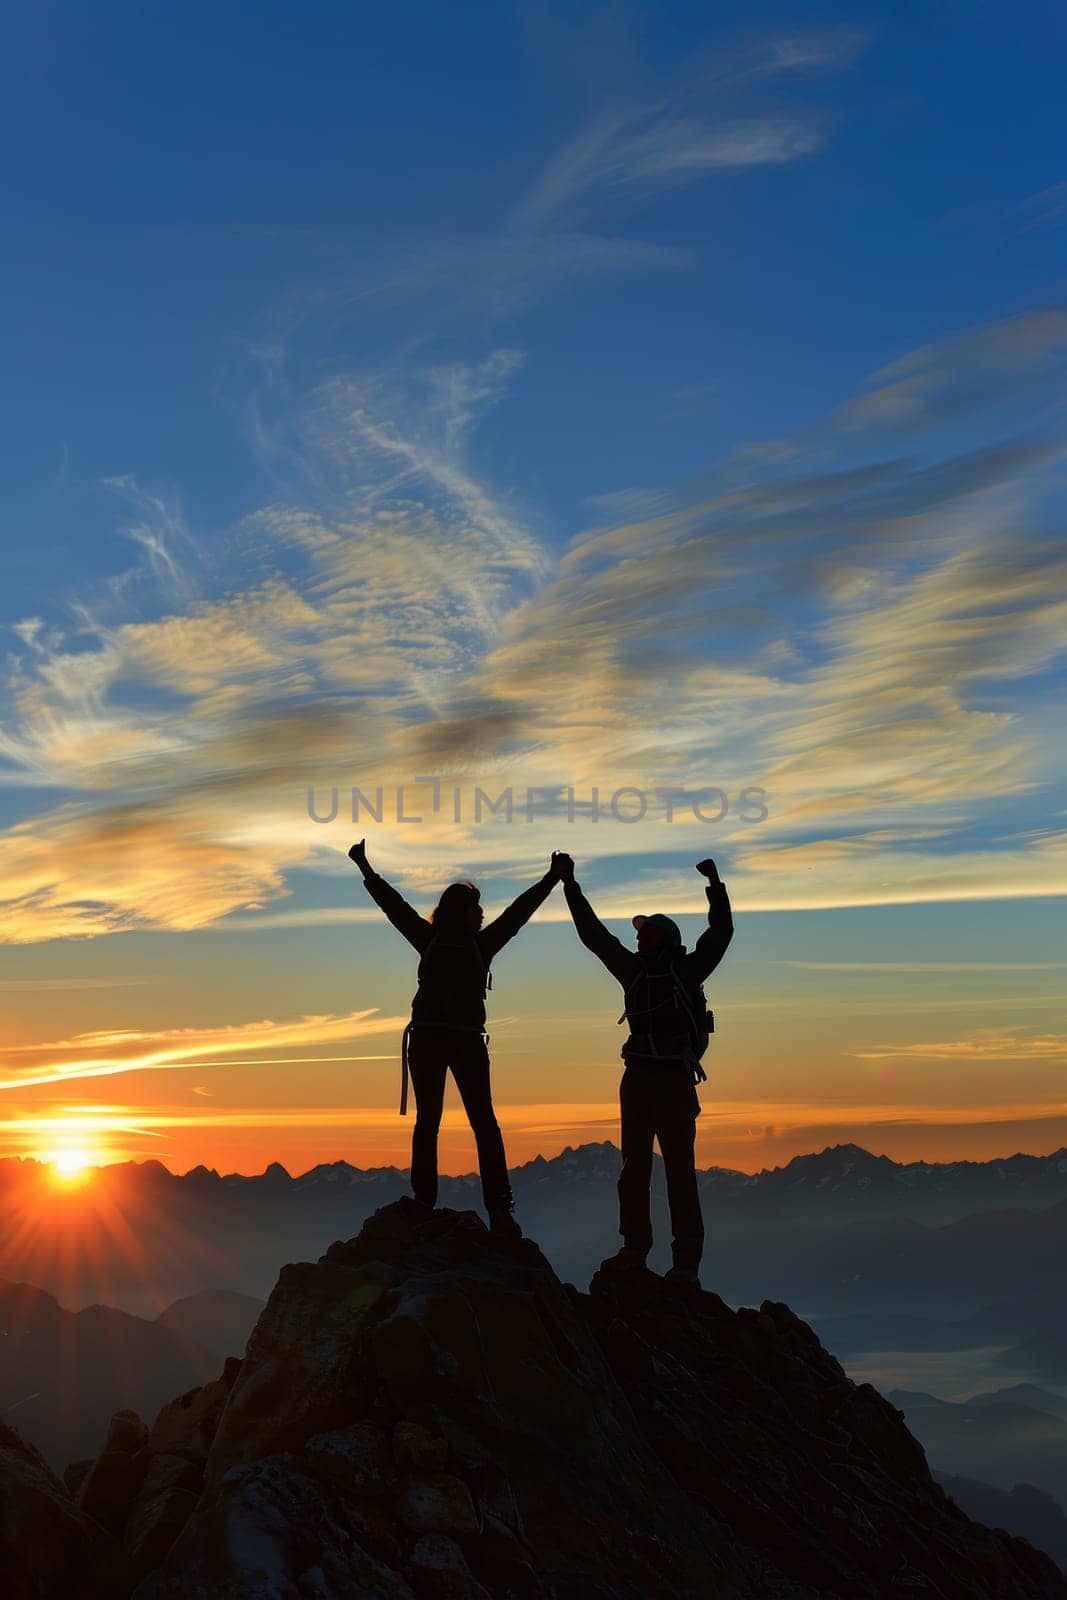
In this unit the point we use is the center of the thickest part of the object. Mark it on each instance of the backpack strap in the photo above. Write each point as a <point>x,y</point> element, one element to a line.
<point>644,1011</point>
<point>682,995</point>
<point>404,1071</point>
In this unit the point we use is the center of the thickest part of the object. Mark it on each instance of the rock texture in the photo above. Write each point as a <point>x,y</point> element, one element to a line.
<point>427,1413</point>
<point>49,1549</point>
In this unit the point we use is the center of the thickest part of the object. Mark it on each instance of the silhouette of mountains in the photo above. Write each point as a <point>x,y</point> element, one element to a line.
<point>1023,1394</point>
<point>218,1320</point>
<point>1002,1443</point>
<point>841,1231</point>
<point>840,1178</point>
<point>849,1177</point>
<point>63,1373</point>
<point>996,1323</point>
<point>428,1411</point>
<point>1022,1510</point>
<point>1043,1353</point>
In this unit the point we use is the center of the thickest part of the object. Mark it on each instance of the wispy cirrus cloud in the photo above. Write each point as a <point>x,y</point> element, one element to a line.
<point>158,527</point>
<point>719,117</point>
<point>701,125</point>
<point>985,1044</point>
<point>111,1052</point>
<point>853,638</point>
<point>984,366</point>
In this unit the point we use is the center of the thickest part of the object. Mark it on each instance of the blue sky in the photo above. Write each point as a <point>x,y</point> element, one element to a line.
<point>528,397</point>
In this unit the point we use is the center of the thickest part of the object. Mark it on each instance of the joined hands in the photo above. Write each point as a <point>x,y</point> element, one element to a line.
<point>563,866</point>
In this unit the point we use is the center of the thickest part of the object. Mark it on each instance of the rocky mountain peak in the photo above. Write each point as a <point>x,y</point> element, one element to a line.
<point>427,1411</point>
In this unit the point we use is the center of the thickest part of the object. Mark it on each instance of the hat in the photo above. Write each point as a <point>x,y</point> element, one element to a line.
<point>670,928</point>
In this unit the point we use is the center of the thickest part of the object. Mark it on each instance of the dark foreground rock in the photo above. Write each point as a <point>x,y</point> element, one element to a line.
<point>48,1547</point>
<point>427,1413</point>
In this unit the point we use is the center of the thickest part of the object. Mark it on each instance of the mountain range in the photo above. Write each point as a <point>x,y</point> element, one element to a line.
<point>841,1231</point>
<point>63,1373</point>
<point>1003,1443</point>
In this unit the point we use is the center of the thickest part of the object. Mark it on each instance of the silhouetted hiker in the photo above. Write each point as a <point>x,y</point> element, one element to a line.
<point>669,1027</point>
<point>447,1027</point>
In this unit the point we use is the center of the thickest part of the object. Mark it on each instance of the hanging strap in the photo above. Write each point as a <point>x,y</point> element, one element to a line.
<point>404,1041</point>
<point>405,1050</point>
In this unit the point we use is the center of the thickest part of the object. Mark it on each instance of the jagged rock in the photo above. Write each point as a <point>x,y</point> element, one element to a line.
<point>504,1562</point>
<point>166,1498</point>
<point>187,1426</point>
<point>440,1572</point>
<point>145,1483</point>
<point>437,1503</point>
<point>304,1371</point>
<point>436,1323</point>
<point>164,1472</point>
<point>108,1489</point>
<point>808,1468</point>
<point>376,1530</point>
<point>415,1446</point>
<point>631,1444</point>
<point>49,1549</point>
<point>270,1531</point>
<point>357,1458</point>
<point>126,1432</point>
<point>74,1475</point>
<point>153,1526</point>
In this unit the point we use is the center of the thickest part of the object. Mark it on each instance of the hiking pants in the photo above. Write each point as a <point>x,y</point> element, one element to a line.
<point>660,1103</point>
<point>431,1052</point>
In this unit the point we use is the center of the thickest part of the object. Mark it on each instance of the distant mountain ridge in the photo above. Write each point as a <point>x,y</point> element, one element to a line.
<point>1003,1444</point>
<point>1027,1512</point>
<point>218,1320</point>
<point>838,1231</point>
<point>836,1170</point>
<point>63,1373</point>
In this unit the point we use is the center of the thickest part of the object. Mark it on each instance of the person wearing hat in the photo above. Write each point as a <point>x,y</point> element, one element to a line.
<point>447,1027</point>
<point>668,1026</point>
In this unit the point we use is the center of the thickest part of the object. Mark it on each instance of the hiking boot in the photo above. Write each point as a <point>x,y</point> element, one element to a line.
<point>687,1278</point>
<point>502,1225</point>
<point>628,1259</point>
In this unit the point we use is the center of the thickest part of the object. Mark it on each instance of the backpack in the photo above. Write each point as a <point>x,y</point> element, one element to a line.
<point>683,1031</point>
<point>453,981</point>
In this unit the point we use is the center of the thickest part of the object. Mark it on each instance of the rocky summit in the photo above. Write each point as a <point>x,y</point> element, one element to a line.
<point>428,1413</point>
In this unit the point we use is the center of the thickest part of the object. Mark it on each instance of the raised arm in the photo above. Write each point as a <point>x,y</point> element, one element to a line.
<point>713,942</point>
<point>405,918</point>
<point>619,961</point>
<point>496,934</point>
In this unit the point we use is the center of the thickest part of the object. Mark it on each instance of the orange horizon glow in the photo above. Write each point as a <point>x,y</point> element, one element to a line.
<point>747,1136</point>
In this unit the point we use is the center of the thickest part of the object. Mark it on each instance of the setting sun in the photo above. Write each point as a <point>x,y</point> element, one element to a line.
<point>71,1164</point>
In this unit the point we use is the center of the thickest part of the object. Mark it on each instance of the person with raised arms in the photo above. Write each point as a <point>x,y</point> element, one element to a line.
<point>447,1027</point>
<point>669,1027</point>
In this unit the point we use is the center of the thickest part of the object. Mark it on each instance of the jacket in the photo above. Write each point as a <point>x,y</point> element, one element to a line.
<point>645,978</point>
